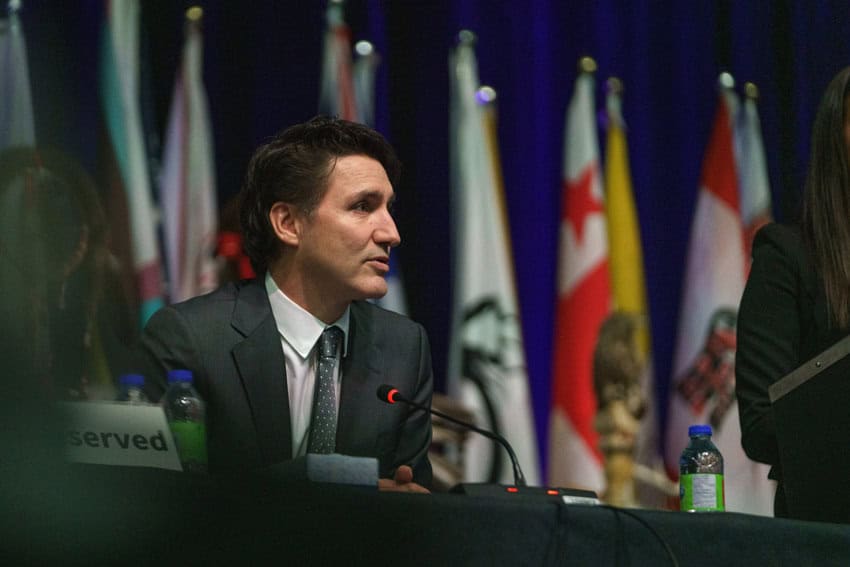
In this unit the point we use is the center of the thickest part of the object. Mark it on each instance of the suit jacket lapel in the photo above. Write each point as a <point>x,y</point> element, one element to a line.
<point>361,375</point>
<point>260,363</point>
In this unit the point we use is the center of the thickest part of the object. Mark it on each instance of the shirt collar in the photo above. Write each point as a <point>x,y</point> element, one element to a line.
<point>298,327</point>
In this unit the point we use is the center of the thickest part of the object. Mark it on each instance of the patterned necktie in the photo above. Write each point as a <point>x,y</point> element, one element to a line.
<point>323,421</point>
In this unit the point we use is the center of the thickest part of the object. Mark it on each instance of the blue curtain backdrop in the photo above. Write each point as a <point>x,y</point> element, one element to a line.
<point>262,62</point>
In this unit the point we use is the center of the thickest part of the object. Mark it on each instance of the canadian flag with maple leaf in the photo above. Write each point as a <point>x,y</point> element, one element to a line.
<point>584,300</point>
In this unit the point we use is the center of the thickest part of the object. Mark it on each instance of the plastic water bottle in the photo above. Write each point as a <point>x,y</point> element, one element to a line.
<point>131,389</point>
<point>186,415</point>
<point>701,473</point>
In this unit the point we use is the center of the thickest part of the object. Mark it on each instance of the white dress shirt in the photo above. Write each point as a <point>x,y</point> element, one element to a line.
<point>299,333</point>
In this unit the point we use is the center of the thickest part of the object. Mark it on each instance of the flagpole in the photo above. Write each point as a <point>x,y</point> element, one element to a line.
<point>467,37</point>
<point>364,48</point>
<point>194,15</point>
<point>751,91</point>
<point>613,102</point>
<point>726,80</point>
<point>486,94</point>
<point>336,12</point>
<point>587,64</point>
<point>726,87</point>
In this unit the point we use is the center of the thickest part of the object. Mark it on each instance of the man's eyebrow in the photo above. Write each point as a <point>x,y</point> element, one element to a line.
<point>372,194</point>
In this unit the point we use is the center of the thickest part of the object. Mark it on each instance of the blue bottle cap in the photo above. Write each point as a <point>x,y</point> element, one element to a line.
<point>131,380</point>
<point>179,375</point>
<point>699,430</point>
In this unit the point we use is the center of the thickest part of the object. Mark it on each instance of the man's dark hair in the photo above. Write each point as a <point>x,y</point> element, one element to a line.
<point>826,200</point>
<point>294,167</point>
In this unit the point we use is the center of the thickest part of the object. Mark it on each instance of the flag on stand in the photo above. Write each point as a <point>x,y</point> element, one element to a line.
<point>487,370</point>
<point>756,209</point>
<point>703,387</point>
<point>336,97</point>
<point>129,202</point>
<point>584,297</point>
<point>187,184</point>
<point>627,269</point>
<point>17,126</point>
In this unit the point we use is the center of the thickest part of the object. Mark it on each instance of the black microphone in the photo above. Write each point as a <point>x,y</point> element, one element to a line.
<point>390,395</point>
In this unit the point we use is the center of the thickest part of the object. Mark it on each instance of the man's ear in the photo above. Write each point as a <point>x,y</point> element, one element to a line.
<point>285,223</point>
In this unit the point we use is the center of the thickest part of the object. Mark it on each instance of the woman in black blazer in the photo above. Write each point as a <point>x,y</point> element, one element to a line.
<point>797,299</point>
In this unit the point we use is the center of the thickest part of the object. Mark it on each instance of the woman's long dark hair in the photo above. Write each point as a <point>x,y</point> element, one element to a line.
<point>52,258</point>
<point>826,201</point>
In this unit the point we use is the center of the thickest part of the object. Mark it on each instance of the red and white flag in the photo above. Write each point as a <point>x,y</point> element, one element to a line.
<point>337,90</point>
<point>188,189</point>
<point>703,383</point>
<point>584,300</point>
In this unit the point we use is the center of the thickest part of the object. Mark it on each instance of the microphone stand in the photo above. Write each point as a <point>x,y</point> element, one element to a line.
<point>391,395</point>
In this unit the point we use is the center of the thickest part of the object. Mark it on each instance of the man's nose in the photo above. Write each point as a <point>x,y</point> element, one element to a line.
<point>387,231</point>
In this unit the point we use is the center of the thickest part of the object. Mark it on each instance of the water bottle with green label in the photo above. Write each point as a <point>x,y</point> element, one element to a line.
<point>701,473</point>
<point>186,415</point>
<point>131,389</point>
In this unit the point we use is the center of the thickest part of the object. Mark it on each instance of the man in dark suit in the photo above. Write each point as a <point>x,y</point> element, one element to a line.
<point>315,215</point>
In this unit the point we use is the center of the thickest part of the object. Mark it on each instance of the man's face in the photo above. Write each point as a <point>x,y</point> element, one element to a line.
<point>345,243</point>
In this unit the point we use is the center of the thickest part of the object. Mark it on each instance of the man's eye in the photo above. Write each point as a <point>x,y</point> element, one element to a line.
<point>361,206</point>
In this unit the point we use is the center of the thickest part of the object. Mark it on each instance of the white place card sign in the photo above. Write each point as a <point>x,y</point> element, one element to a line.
<point>116,433</point>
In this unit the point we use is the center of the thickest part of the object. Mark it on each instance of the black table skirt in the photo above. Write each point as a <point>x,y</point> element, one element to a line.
<point>99,515</point>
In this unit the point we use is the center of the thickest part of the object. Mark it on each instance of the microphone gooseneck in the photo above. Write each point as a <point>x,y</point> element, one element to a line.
<point>390,395</point>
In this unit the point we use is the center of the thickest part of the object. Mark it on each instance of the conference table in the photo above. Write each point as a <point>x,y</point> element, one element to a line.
<point>96,515</point>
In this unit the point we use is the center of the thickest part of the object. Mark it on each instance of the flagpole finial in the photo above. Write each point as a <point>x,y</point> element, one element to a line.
<point>615,85</point>
<point>486,94</point>
<point>466,37</point>
<point>364,48</point>
<point>194,14</point>
<point>726,81</point>
<point>751,90</point>
<point>14,6</point>
<point>587,65</point>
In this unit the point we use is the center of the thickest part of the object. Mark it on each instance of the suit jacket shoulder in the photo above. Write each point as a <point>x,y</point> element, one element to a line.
<point>190,333</point>
<point>783,239</point>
